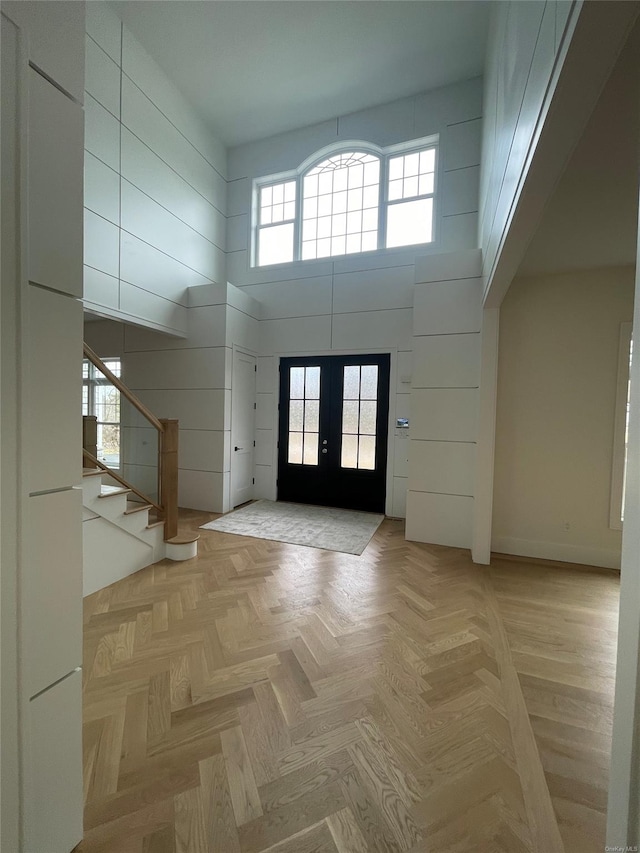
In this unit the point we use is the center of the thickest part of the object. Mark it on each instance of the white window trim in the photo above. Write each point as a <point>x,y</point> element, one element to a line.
<point>258,227</point>
<point>384,154</point>
<point>620,425</point>
<point>385,203</point>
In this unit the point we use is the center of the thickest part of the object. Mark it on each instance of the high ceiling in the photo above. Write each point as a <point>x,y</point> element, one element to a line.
<point>254,68</point>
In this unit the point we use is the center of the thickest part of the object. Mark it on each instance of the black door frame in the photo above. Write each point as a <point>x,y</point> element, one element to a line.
<point>328,483</point>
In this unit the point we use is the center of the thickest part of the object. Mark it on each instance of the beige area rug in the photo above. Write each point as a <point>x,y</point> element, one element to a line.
<point>300,524</point>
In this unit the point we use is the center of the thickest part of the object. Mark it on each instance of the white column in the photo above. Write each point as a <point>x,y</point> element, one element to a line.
<point>9,753</point>
<point>41,557</point>
<point>485,449</point>
<point>447,318</point>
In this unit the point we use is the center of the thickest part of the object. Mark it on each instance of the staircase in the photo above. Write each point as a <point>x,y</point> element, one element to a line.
<point>119,537</point>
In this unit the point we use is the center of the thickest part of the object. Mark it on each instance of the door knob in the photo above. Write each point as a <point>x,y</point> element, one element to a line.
<point>324,450</point>
<point>237,448</point>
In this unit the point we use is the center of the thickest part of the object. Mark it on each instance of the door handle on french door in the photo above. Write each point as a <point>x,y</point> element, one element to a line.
<point>238,448</point>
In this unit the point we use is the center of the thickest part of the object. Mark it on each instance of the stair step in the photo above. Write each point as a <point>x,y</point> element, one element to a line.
<point>137,508</point>
<point>113,491</point>
<point>184,539</point>
<point>154,524</point>
<point>92,472</point>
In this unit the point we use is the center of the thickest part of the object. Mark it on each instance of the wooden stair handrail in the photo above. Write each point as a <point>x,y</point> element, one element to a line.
<point>168,432</point>
<point>122,388</point>
<point>98,464</point>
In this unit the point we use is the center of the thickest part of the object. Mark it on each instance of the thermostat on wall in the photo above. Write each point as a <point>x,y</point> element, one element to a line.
<point>402,423</point>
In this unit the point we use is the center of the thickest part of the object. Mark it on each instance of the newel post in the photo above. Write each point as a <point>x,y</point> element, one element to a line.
<point>89,439</point>
<point>168,439</point>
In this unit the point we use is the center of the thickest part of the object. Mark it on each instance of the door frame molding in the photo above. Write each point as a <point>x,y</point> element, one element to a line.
<point>392,352</point>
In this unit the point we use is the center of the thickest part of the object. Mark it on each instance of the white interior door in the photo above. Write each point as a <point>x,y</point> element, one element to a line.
<point>243,427</point>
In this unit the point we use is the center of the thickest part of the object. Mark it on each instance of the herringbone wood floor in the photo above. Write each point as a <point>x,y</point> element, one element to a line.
<point>271,697</point>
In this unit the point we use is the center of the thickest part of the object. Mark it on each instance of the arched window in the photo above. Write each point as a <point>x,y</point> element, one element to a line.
<point>349,202</point>
<point>340,201</point>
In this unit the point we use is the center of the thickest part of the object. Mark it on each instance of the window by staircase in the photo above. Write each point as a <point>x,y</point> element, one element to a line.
<point>100,398</point>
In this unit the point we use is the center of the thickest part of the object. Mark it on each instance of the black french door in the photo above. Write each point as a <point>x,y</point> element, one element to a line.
<point>334,420</point>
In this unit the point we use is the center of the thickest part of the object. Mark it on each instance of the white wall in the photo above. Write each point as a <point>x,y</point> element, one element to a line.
<point>524,40</point>
<point>155,188</point>
<point>188,379</point>
<point>357,303</point>
<point>447,320</point>
<point>557,375</point>
<point>454,112</point>
<point>591,219</point>
<point>546,65</point>
<point>360,303</point>
<point>42,89</point>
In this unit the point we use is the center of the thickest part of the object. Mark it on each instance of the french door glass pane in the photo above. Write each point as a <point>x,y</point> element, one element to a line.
<point>368,417</point>
<point>349,451</point>
<point>350,417</point>
<point>359,416</point>
<point>312,416</point>
<point>304,415</point>
<point>369,382</point>
<point>351,383</point>
<point>310,448</point>
<point>295,448</point>
<point>367,452</point>
<point>296,414</point>
<point>312,383</point>
<point>296,391</point>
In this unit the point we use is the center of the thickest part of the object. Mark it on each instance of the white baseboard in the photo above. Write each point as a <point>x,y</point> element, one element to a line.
<point>563,552</point>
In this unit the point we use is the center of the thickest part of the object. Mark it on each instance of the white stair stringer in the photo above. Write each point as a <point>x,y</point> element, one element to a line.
<point>118,541</point>
<point>110,554</point>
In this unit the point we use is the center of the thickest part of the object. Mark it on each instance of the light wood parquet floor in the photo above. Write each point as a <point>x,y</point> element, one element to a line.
<point>268,697</point>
